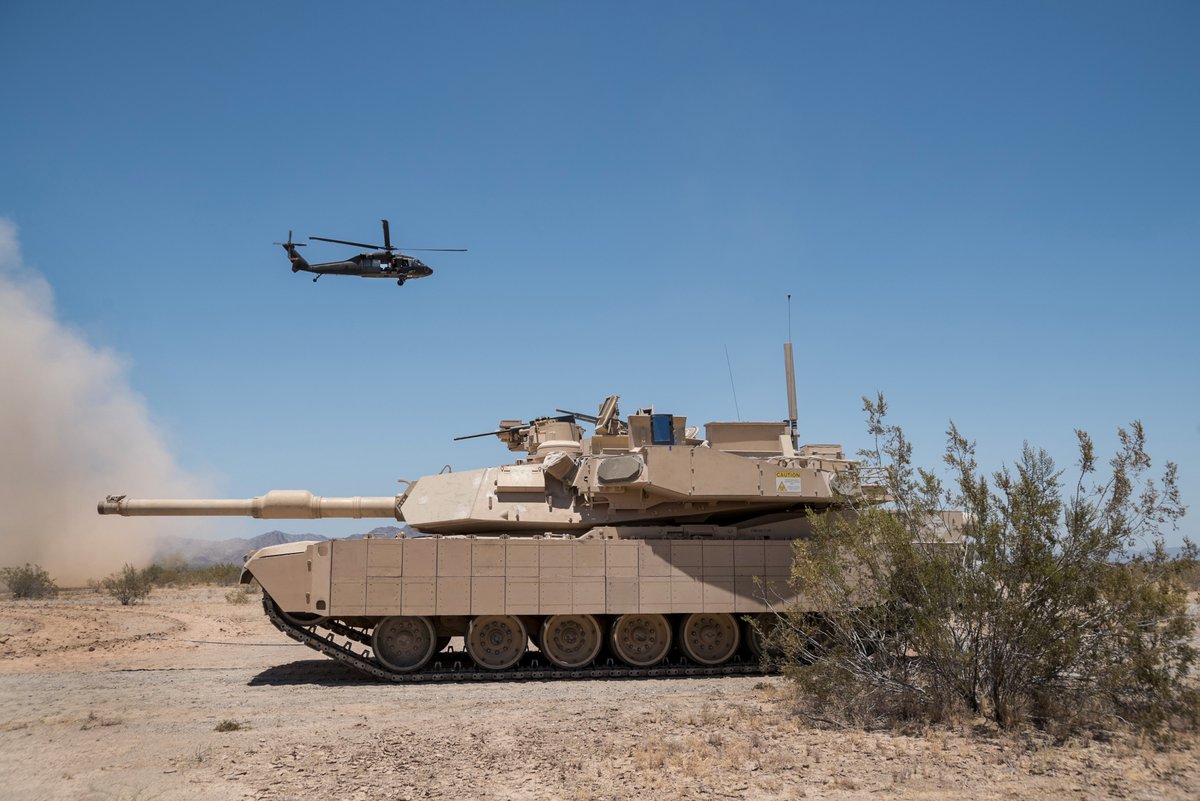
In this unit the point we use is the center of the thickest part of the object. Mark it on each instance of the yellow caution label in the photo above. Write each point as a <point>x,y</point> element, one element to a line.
<point>788,481</point>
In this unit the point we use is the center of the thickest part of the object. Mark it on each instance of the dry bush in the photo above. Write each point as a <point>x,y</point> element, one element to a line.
<point>239,595</point>
<point>175,572</point>
<point>28,581</point>
<point>1041,613</point>
<point>128,585</point>
<point>93,721</point>
<point>734,744</point>
<point>1190,576</point>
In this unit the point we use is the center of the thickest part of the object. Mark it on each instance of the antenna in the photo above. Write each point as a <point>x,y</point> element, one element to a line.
<point>729,364</point>
<point>789,366</point>
<point>789,317</point>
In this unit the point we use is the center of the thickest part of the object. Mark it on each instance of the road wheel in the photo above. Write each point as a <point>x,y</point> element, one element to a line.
<point>641,640</point>
<point>571,641</point>
<point>496,642</point>
<point>405,643</point>
<point>709,638</point>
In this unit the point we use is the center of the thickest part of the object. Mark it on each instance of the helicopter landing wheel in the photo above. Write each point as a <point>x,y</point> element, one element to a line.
<point>399,282</point>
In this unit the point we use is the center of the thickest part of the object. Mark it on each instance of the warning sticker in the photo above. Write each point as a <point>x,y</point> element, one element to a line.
<point>787,481</point>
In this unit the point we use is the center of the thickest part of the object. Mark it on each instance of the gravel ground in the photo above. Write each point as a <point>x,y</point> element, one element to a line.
<point>99,701</point>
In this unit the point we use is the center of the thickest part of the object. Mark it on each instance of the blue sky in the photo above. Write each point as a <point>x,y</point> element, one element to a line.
<point>990,212</point>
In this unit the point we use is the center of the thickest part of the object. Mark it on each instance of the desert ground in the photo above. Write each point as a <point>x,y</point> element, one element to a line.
<point>189,696</point>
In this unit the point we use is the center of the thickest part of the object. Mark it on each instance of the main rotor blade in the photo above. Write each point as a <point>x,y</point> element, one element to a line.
<point>387,235</point>
<point>344,242</point>
<point>440,250</point>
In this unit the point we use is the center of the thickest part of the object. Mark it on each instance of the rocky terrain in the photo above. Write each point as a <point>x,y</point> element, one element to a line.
<point>191,696</point>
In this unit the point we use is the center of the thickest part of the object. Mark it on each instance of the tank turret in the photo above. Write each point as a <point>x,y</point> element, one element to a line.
<point>649,470</point>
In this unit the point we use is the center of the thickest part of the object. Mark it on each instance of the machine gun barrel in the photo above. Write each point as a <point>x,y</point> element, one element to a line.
<point>275,505</point>
<point>493,433</point>
<point>566,418</point>
<point>587,418</point>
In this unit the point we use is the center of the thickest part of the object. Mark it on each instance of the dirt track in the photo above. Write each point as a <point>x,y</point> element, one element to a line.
<point>99,701</point>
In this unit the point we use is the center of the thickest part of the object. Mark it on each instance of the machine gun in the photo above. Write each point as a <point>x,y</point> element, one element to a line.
<point>532,436</point>
<point>515,426</point>
<point>606,422</point>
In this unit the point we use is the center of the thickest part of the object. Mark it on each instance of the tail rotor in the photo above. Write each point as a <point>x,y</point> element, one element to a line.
<point>290,246</point>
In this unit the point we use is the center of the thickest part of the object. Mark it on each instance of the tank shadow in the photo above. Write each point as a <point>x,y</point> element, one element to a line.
<point>321,672</point>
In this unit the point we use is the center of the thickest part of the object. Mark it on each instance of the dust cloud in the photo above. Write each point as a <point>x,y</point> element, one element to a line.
<point>71,431</point>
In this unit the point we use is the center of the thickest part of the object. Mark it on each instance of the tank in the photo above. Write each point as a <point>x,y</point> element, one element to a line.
<point>638,548</point>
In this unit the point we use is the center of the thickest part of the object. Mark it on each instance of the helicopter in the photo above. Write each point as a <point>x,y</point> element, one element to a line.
<point>385,261</point>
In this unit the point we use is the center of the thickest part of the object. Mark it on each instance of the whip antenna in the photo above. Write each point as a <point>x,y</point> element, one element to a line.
<point>729,364</point>
<point>789,366</point>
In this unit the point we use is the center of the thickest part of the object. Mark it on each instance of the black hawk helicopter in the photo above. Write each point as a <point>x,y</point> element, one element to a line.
<point>385,261</point>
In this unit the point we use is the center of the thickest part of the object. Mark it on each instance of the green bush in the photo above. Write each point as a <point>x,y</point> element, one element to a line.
<point>28,581</point>
<point>128,585</point>
<point>224,574</point>
<point>173,571</point>
<point>1036,611</point>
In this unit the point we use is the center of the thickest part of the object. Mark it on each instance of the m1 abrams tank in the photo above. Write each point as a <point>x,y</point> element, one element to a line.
<point>642,549</point>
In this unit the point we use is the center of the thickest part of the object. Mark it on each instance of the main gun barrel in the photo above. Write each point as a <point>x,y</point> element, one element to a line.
<point>275,505</point>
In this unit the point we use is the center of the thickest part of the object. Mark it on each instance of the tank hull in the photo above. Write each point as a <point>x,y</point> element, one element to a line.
<point>662,605</point>
<point>456,576</point>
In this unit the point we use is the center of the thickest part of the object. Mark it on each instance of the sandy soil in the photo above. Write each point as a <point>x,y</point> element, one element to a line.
<point>99,701</point>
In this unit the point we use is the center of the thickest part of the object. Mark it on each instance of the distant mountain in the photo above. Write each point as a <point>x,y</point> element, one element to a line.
<point>200,553</point>
<point>270,538</point>
<point>384,532</point>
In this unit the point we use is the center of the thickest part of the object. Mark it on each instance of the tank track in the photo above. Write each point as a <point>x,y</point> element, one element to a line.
<point>448,666</point>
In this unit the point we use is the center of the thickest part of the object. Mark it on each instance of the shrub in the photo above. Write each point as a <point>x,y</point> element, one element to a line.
<point>128,585</point>
<point>239,595</point>
<point>174,571</point>
<point>223,574</point>
<point>28,581</point>
<point>1035,611</point>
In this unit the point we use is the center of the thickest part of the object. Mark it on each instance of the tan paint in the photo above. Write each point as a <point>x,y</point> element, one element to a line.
<point>611,525</point>
<point>275,505</point>
<point>463,575</point>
